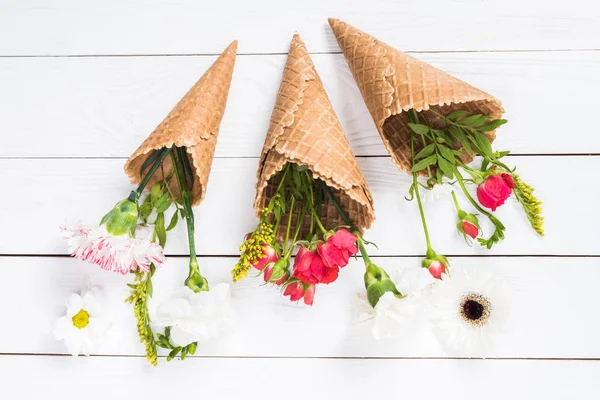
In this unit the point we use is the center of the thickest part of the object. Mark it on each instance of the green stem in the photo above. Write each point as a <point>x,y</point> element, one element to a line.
<point>472,200</point>
<point>336,204</point>
<point>455,201</point>
<point>164,152</point>
<point>418,196</point>
<point>363,251</point>
<point>289,224</point>
<point>296,233</point>
<point>187,205</point>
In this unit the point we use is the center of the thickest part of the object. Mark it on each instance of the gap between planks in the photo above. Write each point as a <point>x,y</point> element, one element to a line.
<point>312,357</point>
<point>285,54</point>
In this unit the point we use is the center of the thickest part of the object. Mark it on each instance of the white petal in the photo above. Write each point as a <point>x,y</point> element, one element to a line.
<point>173,309</point>
<point>74,305</point>
<point>182,337</point>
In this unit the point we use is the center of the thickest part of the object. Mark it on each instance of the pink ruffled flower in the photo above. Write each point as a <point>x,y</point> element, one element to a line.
<point>298,290</point>
<point>495,190</point>
<point>338,249</point>
<point>112,253</point>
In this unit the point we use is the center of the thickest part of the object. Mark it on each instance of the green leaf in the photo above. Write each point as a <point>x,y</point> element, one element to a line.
<point>173,353</point>
<point>457,114</point>
<point>492,125</point>
<point>159,229</point>
<point>426,151</point>
<point>149,288</point>
<point>485,147</point>
<point>192,347</point>
<point>474,120</point>
<point>184,352</point>
<point>132,285</point>
<point>443,135</point>
<point>173,222</point>
<point>462,138</point>
<point>164,206</point>
<point>419,128</point>
<point>297,178</point>
<point>447,154</point>
<point>424,163</point>
<point>446,167</point>
<point>155,192</point>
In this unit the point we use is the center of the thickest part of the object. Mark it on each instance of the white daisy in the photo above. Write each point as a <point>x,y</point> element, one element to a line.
<point>113,253</point>
<point>469,310</point>
<point>197,317</point>
<point>392,316</point>
<point>84,327</point>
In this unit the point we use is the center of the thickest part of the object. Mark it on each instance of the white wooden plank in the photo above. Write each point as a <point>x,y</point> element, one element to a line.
<point>74,107</point>
<point>102,377</point>
<point>553,303</point>
<point>42,194</point>
<point>70,27</point>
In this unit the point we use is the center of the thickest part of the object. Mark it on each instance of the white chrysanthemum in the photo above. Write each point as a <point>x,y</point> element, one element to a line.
<point>437,192</point>
<point>468,310</point>
<point>84,327</point>
<point>392,316</point>
<point>113,253</point>
<point>196,317</point>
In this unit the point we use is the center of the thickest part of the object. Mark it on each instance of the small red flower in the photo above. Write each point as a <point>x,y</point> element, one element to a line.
<point>469,229</point>
<point>297,290</point>
<point>495,190</point>
<point>269,256</point>
<point>338,249</point>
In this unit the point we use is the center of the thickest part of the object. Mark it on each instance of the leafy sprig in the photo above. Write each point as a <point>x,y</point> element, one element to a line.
<point>164,341</point>
<point>531,205</point>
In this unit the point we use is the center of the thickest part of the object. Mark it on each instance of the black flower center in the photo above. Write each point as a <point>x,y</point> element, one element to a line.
<point>472,310</point>
<point>475,309</point>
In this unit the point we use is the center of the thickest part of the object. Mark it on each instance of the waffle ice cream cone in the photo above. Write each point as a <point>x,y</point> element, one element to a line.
<point>304,129</point>
<point>193,123</point>
<point>392,82</point>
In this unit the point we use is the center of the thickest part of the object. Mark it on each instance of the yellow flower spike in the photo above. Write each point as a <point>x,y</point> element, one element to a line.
<point>531,205</point>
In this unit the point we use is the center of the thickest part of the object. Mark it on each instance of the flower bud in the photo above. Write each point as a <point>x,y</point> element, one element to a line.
<point>197,283</point>
<point>269,256</point>
<point>122,219</point>
<point>468,225</point>
<point>274,272</point>
<point>437,265</point>
<point>377,283</point>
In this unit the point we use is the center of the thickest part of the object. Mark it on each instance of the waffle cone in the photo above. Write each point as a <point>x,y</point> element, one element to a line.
<point>304,129</point>
<point>391,82</point>
<point>194,123</point>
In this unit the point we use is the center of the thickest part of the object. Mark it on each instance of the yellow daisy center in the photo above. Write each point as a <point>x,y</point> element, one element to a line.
<point>81,319</point>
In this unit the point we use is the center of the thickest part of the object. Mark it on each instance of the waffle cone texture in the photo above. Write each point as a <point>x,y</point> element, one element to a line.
<point>304,129</point>
<point>194,123</point>
<point>392,82</point>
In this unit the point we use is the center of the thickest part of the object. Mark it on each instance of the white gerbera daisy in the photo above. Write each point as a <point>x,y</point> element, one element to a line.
<point>195,317</point>
<point>392,316</point>
<point>113,253</point>
<point>84,327</point>
<point>469,310</point>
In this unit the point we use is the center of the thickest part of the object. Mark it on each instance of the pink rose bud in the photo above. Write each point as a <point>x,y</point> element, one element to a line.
<point>437,265</point>
<point>469,229</point>
<point>309,294</point>
<point>269,256</point>
<point>297,290</point>
<point>495,190</point>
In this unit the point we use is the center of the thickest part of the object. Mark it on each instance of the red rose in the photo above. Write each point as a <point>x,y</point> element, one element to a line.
<point>269,256</point>
<point>338,249</point>
<point>297,290</point>
<point>469,229</point>
<point>495,190</point>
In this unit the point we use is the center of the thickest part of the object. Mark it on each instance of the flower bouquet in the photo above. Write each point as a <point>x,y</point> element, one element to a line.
<point>174,164</point>
<point>434,125</point>
<point>310,195</point>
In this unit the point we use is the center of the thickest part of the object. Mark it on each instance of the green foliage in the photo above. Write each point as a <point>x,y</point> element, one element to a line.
<point>164,341</point>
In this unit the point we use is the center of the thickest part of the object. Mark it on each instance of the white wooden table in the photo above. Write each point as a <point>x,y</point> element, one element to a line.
<point>81,85</point>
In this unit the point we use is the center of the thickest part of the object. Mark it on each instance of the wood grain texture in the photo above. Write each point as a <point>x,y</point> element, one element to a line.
<point>547,298</point>
<point>70,27</point>
<point>351,379</point>
<point>105,107</point>
<point>52,192</point>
